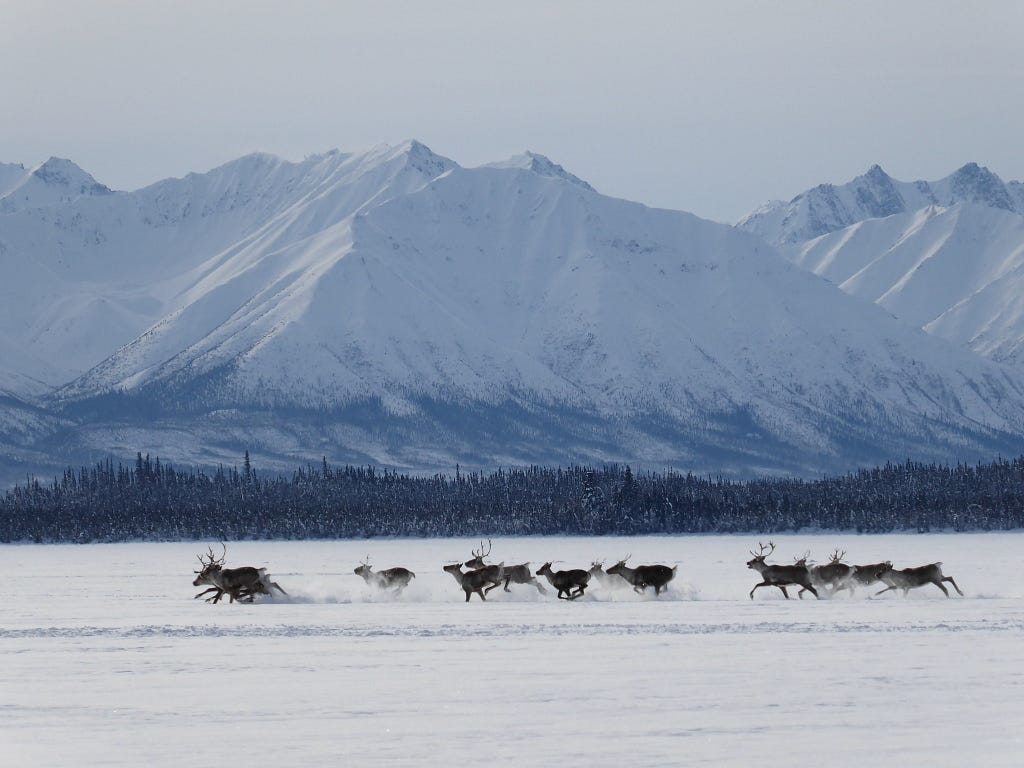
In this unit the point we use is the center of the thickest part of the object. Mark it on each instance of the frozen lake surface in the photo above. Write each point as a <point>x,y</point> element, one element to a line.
<point>105,659</point>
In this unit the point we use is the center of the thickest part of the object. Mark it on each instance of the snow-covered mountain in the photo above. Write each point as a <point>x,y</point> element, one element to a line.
<point>55,181</point>
<point>957,272</point>
<point>393,307</point>
<point>828,208</point>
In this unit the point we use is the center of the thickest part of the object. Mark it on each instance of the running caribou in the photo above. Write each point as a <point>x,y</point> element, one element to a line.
<point>395,579</point>
<point>831,577</point>
<point>779,576</point>
<point>516,574</point>
<point>242,584</point>
<point>471,581</point>
<point>643,576</point>
<point>605,579</point>
<point>910,578</point>
<point>566,581</point>
<point>866,575</point>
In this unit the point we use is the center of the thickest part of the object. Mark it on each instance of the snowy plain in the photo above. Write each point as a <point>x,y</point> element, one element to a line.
<point>106,659</point>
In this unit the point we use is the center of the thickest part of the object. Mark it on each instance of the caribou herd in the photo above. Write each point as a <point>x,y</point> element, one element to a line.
<point>479,577</point>
<point>836,575</point>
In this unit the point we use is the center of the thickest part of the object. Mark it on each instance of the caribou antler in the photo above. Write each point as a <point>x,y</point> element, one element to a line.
<point>802,560</point>
<point>837,556</point>
<point>481,554</point>
<point>761,550</point>
<point>213,559</point>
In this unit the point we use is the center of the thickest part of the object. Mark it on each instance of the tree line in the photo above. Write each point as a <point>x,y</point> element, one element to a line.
<point>153,501</point>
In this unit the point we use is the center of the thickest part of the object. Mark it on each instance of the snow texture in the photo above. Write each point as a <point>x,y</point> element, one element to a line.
<point>107,660</point>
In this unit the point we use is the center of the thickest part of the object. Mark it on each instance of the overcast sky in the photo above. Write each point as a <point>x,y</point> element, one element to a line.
<point>710,107</point>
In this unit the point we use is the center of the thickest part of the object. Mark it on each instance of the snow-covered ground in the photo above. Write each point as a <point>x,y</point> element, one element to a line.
<point>105,659</point>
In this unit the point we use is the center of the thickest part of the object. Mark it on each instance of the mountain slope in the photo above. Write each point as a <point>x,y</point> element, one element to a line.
<point>828,208</point>
<point>393,307</point>
<point>956,272</point>
<point>95,273</point>
<point>55,181</point>
<point>506,296</point>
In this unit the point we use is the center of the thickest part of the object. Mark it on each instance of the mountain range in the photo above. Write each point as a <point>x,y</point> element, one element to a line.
<point>828,208</point>
<point>393,307</point>
<point>945,256</point>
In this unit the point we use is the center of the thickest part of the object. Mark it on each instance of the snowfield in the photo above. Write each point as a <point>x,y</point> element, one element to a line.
<point>105,659</point>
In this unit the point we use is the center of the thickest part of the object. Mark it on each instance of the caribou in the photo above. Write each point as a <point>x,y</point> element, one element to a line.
<point>395,579</point>
<point>779,576</point>
<point>643,576</point>
<point>516,574</point>
<point>866,575</point>
<point>832,577</point>
<point>911,578</point>
<point>241,584</point>
<point>471,581</point>
<point>566,581</point>
<point>602,576</point>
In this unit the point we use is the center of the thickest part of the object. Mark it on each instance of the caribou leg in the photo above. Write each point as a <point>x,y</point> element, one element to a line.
<point>845,585</point>
<point>950,580</point>
<point>211,589</point>
<point>783,588</point>
<point>762,584</point>
<point>938,584</point>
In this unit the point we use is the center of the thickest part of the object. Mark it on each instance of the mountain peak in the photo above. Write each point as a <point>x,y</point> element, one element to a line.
<point>58,171</point>
<point>542,166</point>
<point>975,183</point>
<point>875,173</point>
<point>422,158</point>
<point>827,208</point>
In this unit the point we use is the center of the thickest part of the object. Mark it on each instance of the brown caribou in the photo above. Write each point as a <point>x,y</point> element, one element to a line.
<point>910,578</point>
<point>515,574</point>
<point>643,576</point>
<point>566,581</point>
<point>779,576</point>
<point>866,575</point>
<point>242,584</point>
<point>470,581</point>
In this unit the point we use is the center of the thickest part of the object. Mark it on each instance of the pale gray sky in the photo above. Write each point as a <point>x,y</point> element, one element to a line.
<point>710,107</point>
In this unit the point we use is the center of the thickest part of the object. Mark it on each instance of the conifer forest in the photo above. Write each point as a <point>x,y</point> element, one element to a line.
<point>153,501</point>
